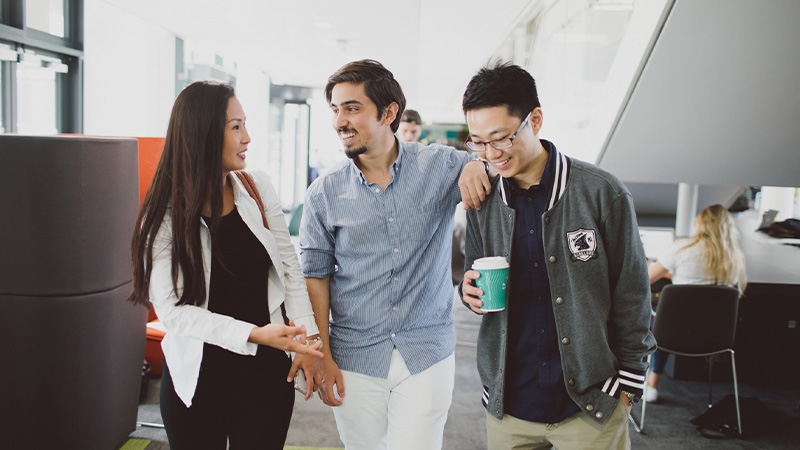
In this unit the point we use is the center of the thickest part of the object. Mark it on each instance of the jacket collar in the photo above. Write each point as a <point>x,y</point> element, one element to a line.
<point>555,176</point>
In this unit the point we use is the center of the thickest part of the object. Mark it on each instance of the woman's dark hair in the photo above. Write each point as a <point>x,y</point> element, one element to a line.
<point>188,176</point>
<point>379,85</point>
<point>502,84</point>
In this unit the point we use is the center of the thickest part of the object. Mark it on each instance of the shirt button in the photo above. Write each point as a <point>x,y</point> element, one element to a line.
<point>502,331</point>
<point>394,308</point>
<point>391,219</point>
<point>544,363</point>
<point>396,250</point>
<point>377,190</point>
<point>552,259</point>
<point>559,300</point>
<point>396,279</point>
<point>509,216</point>
<point>541,331</point>
<point>535,264</point>
<point>530,199</point>
<point>392,334</point>
<point>531,232</point>
<point>565,341</point>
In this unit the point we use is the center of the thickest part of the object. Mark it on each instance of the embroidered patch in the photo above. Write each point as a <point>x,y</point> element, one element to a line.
<point>582,244</point>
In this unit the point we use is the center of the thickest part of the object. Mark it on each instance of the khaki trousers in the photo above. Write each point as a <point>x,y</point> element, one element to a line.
<point>575,432</point>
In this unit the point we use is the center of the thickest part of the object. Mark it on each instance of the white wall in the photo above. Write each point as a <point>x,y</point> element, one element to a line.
<point>129,73</point>
<point>252,90</point>
<point>129,79</point>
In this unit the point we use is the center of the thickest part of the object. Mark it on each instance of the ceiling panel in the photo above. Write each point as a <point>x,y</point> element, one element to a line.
<point>719,99</point>
<point>433,47</point>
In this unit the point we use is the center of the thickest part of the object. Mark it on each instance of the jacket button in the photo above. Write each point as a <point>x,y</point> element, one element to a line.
<point>571,382</point>
<point>590,407</point>
<point>546,220</point>
<point>552,259</point>
<point>502,331</point>
<point>509,216</point>
<point>565,341</point>
<point>497,412</point>
<point>560,300</point>
<point>599,414</point>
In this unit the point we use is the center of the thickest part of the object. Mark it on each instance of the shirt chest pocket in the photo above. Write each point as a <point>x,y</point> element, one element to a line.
<point>421,222</point>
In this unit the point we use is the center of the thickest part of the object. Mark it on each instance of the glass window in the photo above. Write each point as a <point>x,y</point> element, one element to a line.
<point>45,15</point>
<point>36,99</point>
<point>584,57</point>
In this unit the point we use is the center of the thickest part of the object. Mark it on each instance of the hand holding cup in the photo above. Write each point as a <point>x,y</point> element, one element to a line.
<point>492,282</point>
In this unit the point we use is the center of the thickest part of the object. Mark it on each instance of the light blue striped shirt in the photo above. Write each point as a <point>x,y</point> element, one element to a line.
<point>389,256</point>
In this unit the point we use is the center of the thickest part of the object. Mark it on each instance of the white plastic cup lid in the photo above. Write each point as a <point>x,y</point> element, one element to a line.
<point>490,262</point>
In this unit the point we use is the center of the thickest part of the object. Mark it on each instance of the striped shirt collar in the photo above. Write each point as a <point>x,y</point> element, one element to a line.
<point>395,165</point>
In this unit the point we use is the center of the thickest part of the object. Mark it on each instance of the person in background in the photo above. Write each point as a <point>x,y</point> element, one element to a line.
<point>220,281</point>
<point>410,128</point>
<point>375,247</point>
<point>561,364</point>
<point>711,256</point>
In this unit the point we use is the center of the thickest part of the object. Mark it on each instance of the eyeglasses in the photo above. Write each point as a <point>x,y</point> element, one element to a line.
<point>500,144</point>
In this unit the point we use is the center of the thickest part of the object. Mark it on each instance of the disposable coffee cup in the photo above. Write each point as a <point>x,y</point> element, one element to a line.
<point>493,281</point>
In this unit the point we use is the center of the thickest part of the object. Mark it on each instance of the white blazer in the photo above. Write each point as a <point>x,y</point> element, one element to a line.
<point>189,327</point>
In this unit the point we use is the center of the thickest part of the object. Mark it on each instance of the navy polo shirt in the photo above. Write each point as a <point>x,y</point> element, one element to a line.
<point>534,389</point>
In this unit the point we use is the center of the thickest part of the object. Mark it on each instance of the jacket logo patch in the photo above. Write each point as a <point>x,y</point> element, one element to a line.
<point>582,244</point>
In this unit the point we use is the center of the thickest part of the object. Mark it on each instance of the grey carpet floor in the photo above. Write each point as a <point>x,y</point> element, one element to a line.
<point>667,425</point>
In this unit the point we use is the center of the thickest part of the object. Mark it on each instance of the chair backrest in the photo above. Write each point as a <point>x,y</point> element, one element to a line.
<point>696,318</point>
<point>294,223</point>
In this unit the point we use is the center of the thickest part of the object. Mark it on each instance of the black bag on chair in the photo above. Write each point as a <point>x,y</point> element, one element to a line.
<point>757,418</point>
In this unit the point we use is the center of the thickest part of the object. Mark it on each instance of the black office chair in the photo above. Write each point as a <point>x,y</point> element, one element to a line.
<point>698,320</point>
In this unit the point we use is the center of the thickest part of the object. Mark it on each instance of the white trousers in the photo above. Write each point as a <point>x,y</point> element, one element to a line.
<point>401,412</point>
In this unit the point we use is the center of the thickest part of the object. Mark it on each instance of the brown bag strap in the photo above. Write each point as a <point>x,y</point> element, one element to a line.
<point>250,186</point>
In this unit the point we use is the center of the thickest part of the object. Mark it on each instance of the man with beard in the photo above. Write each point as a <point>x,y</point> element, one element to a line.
<point>375,248</point>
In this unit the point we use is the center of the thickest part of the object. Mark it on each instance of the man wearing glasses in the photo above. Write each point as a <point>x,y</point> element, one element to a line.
<point>562,363</point>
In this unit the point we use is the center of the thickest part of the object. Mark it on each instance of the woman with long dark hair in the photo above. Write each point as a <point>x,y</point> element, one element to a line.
<point>227,287</point>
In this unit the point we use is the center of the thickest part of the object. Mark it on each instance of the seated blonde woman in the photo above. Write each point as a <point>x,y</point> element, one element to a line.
<point>711,256</point>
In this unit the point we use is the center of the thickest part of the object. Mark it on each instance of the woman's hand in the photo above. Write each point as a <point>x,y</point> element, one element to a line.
<point>283,337</point>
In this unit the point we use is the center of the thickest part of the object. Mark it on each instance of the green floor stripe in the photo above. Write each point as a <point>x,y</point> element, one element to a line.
<point>292,447</point>
<point>135,444</point>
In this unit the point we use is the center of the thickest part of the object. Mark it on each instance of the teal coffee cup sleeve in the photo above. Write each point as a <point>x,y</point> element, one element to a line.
<point>493,281</point>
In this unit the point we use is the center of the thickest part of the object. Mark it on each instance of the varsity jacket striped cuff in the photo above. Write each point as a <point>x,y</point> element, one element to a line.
<point>628,380</point>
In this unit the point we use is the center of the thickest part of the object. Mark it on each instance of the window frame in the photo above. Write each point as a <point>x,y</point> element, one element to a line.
<point>69,49</point>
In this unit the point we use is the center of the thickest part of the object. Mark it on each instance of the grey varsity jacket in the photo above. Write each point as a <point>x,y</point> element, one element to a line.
<point>598,282</point>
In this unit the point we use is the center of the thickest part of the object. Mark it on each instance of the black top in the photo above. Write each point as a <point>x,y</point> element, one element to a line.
<point>239,269</point>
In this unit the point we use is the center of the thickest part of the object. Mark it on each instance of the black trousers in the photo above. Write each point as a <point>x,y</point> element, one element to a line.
<point>252,409</point>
